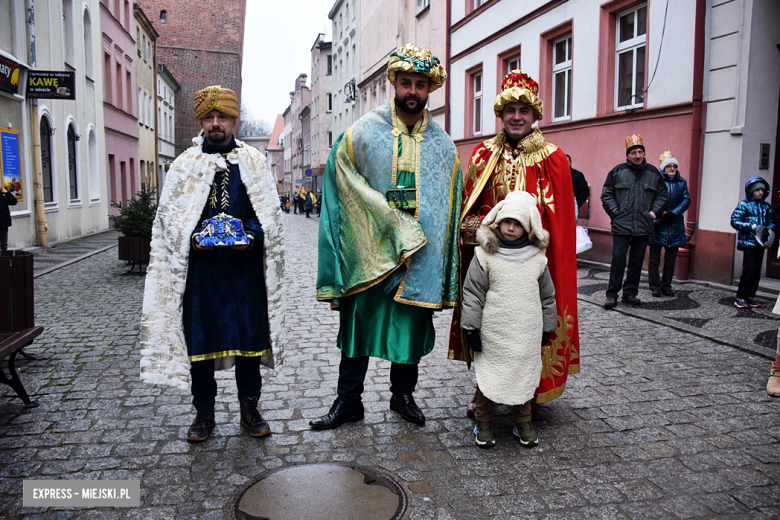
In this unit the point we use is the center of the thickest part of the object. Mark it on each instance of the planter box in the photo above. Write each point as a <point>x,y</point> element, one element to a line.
<point>135,249</point>
<point>17,308</point>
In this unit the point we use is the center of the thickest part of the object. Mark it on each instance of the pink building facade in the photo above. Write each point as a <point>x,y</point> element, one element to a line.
<point>119,106</point>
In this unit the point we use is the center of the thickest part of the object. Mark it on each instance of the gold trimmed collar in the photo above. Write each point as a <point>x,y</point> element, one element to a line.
<point>534,142</point>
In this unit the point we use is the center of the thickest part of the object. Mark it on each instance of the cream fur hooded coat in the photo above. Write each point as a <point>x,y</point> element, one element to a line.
<point>512,319</point>
<point>163,349</point>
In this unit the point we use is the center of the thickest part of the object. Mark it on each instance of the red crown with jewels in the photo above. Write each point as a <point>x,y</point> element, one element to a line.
<point>521,80</point>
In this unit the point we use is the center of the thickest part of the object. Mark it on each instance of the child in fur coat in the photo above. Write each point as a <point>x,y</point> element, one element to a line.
<point>508,313</point>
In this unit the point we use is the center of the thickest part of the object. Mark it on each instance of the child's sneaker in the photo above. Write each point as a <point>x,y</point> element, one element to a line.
<point>484,435</point>
<point>525,432</point>
<point>741,303</point>
<point>754,302</point>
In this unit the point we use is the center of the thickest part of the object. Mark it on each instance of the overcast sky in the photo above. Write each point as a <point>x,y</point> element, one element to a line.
<point>278,37</point>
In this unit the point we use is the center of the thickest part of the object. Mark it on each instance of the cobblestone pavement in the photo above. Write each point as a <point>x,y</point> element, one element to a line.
<point>660,423</point>
<point>697,308</point>
<point>56,255</point>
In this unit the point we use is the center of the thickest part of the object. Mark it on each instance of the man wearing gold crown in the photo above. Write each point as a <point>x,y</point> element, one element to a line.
<point>388,242</point>
<point>634,193</point>
<point>213,299</point>
<point>520,159</point>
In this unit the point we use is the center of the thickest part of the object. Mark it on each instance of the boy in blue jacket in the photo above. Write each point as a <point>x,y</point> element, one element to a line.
<point>754,220</point>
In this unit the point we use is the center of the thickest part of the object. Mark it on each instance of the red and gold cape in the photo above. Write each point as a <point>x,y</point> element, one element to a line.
<point>541,169</point>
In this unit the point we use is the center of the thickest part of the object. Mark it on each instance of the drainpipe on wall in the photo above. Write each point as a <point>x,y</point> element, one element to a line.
<point>684,258</point>
<point>156,125</point>
<point>447,68</point>
<point>40,210</point>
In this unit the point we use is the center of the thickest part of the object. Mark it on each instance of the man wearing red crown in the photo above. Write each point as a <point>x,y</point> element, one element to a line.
<point>520,159</point>
<point>633,194</point>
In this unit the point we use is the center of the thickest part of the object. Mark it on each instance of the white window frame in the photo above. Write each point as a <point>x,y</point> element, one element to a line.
<point>140,104</point>
<point>328,102</point>
<point>510,61</point>
<point>476,103</point>
<point>421,5</point>
<point>478,3</point>
<point>562,68</point>
<point>631,45</point>
<point>73,183</point>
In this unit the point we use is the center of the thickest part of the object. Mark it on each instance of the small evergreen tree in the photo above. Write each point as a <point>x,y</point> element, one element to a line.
<point>135,218</point>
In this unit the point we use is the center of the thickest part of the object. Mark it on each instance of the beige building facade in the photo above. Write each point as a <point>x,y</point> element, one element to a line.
<point>321,108</point>
<point>387,27</point>
<point>167,86</point>
<point>146,91</point>
<point>345,16</point>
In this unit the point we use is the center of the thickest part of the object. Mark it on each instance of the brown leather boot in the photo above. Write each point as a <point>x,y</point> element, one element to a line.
<point>773,385</point>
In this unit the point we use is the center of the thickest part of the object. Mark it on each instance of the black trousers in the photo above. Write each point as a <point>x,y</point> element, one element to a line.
<point>3,238</point>
<point>204,386</point>
<point>654,261</point>
<point>752,260</point>
<point>635,248</point>
<point>352,374</point>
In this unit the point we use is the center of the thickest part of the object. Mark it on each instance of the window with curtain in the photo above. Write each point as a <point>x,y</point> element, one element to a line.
<point>561,85</point>
<point>476,85</point>
<point>45,131</point>
<point>72,173</point>
<point>630,47</point>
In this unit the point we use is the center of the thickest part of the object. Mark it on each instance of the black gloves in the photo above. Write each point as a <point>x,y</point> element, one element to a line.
<point>668,217</point>
<point>474,340</point>
<point>546,337</point>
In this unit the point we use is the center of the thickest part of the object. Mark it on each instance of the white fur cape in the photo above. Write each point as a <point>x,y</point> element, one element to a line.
<point>163,349</point>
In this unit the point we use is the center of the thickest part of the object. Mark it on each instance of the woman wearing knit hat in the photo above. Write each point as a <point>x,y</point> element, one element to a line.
<point>670,228</point>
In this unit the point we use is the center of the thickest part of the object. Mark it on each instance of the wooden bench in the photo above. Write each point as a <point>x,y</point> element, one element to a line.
<point>11,344</point>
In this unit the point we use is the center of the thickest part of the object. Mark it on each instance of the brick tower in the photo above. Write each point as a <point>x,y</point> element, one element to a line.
<point>202,44</point>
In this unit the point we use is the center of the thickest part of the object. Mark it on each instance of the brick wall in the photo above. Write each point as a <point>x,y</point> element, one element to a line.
<point>201,46</point>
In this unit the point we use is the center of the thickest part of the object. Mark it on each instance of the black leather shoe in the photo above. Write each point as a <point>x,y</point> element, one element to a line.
<point>631,300</point>
<point>339,414</point>
<point>667,292</point>
<point>656,294</point>
<point>404,404</point>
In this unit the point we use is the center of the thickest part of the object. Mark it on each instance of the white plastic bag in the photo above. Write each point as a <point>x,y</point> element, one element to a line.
<point>583,240</point>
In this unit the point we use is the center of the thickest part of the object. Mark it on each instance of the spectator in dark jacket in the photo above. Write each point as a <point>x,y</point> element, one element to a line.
<point>580,185</point>
<point>755,221</point>
<point>6,199</point>
<point>633,195</point>
<point>670,228</point>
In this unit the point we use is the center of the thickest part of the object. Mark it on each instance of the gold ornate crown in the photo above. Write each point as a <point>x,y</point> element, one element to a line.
<point>518,86</point>
<point>416,60</point>
<point>664,156</point>
<point>634,140</point>
<point>215,98</point>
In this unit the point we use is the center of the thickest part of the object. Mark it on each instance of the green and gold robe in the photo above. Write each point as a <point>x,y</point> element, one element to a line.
<point>386,269</point>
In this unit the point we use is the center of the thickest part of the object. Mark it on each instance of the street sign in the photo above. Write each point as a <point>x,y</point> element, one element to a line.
<point>307,172</point>
<point>300,181</point>
<point>51,84</point>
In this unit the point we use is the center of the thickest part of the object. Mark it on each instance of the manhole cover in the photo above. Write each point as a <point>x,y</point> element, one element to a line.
<point>317,491</point>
